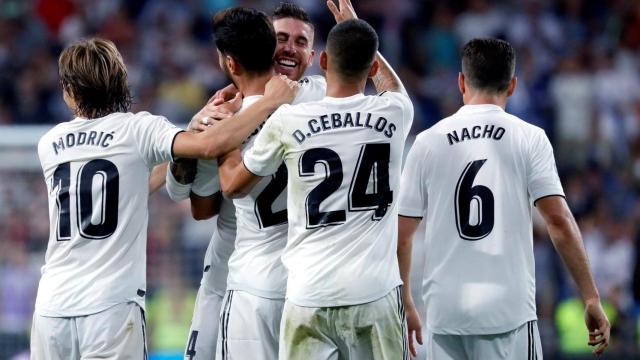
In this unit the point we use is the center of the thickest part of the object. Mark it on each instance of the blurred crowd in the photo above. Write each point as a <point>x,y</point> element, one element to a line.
<point>578,68</point>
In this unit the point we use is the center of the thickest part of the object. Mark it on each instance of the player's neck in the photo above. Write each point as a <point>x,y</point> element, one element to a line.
<point>339,88</point>
<point>481,98</point>
<point>250,85</point>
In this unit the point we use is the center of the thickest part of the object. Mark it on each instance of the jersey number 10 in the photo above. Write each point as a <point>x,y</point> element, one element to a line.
<point>108,179</point>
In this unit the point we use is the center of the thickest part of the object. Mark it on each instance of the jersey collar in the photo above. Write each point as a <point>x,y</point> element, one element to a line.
<point>342,99</point>
<point>471,109</point>
<point>249,100</point>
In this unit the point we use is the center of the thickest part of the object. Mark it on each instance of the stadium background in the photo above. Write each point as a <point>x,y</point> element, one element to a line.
<point>578,78</point>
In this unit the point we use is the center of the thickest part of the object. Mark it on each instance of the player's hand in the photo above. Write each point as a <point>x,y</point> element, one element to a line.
<point>227,93</point>
<point>215,110</point>
<point>598,325</point>
<point>344,12</point>
<point>414,328</point>
<point>280,90</point>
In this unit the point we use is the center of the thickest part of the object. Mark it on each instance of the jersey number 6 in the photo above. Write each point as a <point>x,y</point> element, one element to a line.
<point>478,198</point>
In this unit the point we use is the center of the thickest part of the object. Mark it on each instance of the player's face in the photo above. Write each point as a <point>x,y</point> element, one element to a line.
<point>294,50</point>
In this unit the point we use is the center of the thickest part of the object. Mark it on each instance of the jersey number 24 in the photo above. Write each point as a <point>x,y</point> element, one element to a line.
<point>373,159</point>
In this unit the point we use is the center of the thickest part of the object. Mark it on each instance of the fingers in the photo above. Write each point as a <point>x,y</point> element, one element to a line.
<point>419,336</point>
<point>412,347</point>
<point>599,338</point>
<point>216,101</point>
<point>334,10</point>
<point>197,126</point>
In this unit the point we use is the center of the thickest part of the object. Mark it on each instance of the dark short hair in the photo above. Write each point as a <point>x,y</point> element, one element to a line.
<point>352,47</point>
<point>289,10</point>
<point>93,73</point>
<point>247,35</point>
<point>488,64</point>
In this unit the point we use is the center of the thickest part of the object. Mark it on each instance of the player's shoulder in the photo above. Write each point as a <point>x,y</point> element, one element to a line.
<point>312,88</point>
<point>142,115</point>
<point>313,81</point>
<point>527,129</point>
<point>52,134</point>
<point>392,98</point>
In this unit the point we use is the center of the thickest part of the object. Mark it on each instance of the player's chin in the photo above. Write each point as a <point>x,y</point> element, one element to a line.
<point>290,72</point>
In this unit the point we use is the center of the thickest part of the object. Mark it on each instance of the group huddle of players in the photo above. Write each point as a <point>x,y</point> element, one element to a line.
<point>315,214</point>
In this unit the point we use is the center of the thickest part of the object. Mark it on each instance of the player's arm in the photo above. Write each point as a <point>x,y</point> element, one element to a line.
<point>239,174</point>
<point>226,135</point>
<point>412,203</point>
<point>565,235</point>
<point>235,180</point>
<point>157,177</point>
<point>205,207</point>
<point>406,229</point>
<point>385,79</point>
<point>179,178</point>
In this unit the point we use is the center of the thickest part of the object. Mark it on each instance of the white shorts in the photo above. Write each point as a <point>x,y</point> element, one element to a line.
<point>203,333</point>
<point>522,343</point>
<point>372,331</point>
<point>249,327</point>
<point>115,333</point>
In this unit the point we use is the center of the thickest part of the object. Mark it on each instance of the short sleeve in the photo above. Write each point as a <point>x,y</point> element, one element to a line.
<point>543,179</point>
<point>207,181</point>
<point>413,193</point>
<point>266,154</point>
<point>177,191</point>
<point>407,108</point>
<point>154,137</point>
<point>312,88</point>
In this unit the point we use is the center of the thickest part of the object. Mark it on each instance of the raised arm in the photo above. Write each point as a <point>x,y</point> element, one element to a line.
<point>385,79</point>
<point>565,235</point>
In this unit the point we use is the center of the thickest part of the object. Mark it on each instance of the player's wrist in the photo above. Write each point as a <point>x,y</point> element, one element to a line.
<point>592,301</point>
<point>271,102</point>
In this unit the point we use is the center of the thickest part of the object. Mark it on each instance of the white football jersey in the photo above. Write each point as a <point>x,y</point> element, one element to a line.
<point>221,245</point>
<point>97,176</point>
<point>255,265</point>
<point>216,259</point>
<point>474,177</point>
<point>343,157</point>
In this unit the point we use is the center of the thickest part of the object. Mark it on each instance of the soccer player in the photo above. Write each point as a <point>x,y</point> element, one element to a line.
<point>90,301</point>
<point>343,156</point>
<point>293,55</point>
<point>475,176</point>
<point>257,279</point>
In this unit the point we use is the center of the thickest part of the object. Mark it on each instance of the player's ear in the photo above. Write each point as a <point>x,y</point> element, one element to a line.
<point>310,60</point>
<point>512,86</point>
<point>232,65</point>
<point>323,61</point>
<point>373,70</point>
<point>461,86</point>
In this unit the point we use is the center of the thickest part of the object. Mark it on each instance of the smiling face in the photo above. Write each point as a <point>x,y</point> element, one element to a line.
<point>294,49</point>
